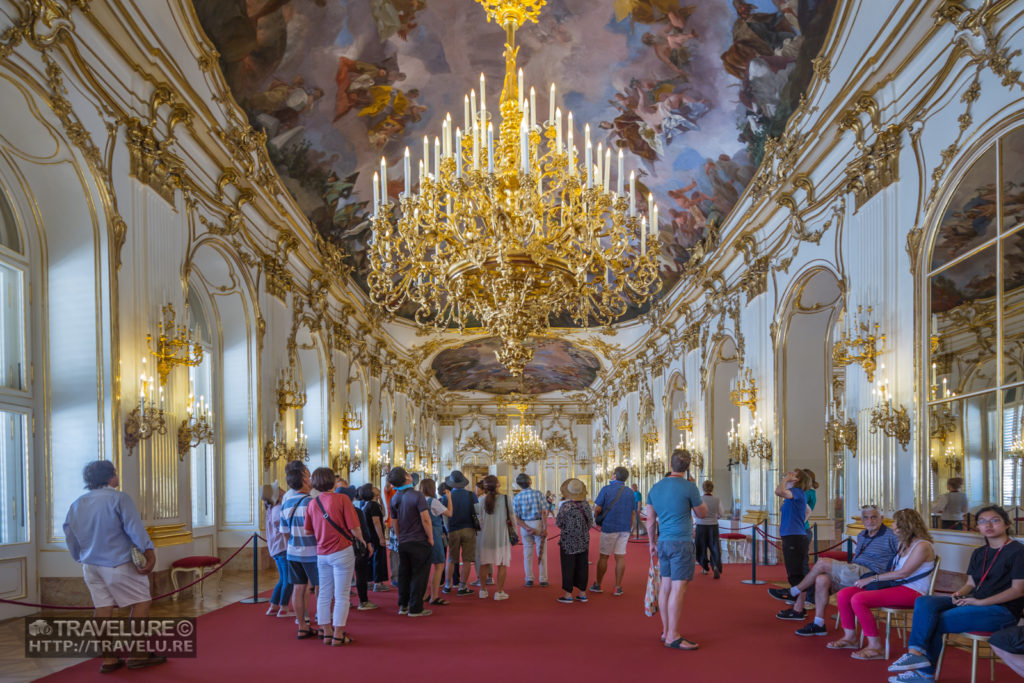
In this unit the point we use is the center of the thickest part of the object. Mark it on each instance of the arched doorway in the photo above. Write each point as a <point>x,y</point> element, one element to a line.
<point>725,471</point>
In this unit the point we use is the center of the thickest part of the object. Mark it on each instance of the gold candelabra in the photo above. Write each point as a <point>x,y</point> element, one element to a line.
<point>506,228</point>
<point>196,428</point>
<point>522,445</point>
<point>738,452</point>
<point>841,434</point>
<point>175,345</point>
<point>943,422</point>
<point>760,445</point>
<point>894,422</point>
<point>346,460</point>
<point>278,448</point>
<point>147,418</point>
<point>1016,449</point>
<point>696,459</point>
<point>744,391</point>
<point>350,421</point>
<point>684,420</point>
<point>859,343</point>
<point>290,393</point>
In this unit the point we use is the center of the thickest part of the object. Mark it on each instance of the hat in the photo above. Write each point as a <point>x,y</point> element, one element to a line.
<point>574,489</point>
<point>457,480</point>
<point>271,493</point>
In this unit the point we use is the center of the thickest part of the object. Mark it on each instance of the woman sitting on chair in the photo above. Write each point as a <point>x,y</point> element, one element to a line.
<point>991,599</point>
<point>910,575</point>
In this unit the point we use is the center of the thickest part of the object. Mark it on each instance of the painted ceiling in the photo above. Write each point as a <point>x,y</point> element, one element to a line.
<point>557,365</point>
<point>688,91</point>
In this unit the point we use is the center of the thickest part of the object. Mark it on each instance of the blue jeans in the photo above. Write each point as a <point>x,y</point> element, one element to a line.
<point>283,589</point>
<point>936,615</point>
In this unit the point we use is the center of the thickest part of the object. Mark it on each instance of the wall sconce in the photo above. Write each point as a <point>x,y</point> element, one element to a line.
<point>279,448</point>
<point>175,345</point>
<point>943,421</point>
<point>859,343</point>
<point>1016,449</point>
<point>289,393</point>
<point>344,460</point>
<point>894,422</point>
<point>684,420</point>
<point>196,428</point>
<point>744,391</point>
<point>147,418</point>
<point>760,445</point>
<point>738,452</point>
<point>841,434</point>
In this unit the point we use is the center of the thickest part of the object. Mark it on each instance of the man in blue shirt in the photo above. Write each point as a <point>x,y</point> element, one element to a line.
<point>670,504</point>
<point>101,529</point>
<point>531,508</point>
<point>615,507</point>
<point>639,506</point>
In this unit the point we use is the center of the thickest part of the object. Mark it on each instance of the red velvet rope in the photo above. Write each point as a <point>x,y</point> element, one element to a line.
<point>159,597</point>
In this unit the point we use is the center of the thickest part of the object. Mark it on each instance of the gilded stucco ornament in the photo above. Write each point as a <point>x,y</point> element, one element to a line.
<point>151,160</point>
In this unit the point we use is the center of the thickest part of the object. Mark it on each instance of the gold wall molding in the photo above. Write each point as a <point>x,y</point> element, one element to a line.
<point>165,535</point>
<point>151,160</point>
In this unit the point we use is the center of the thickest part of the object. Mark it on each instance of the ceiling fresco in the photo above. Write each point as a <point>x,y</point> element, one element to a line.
<point>688,90</point>
<point>557,365</point>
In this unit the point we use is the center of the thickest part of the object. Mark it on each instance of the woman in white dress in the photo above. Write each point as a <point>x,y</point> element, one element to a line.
<point>493,544</point>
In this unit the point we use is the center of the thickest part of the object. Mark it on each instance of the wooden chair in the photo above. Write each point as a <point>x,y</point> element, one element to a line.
<point>892,613</point>
<point>736,545</point>
<point>974,641</point>
<point>197,566</point>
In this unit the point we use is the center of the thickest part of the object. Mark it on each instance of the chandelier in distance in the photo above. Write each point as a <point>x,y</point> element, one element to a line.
<point>522,445</point>
<point>506,227</point>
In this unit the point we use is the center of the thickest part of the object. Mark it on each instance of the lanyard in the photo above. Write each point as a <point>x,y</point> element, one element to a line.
<point>994,557</point>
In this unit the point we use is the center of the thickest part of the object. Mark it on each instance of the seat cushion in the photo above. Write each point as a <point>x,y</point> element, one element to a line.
<point>834,555</point>
<point>196,561</point>
<point>733,536</point>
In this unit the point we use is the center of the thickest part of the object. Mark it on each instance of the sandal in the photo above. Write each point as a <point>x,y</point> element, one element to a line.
<point>110,668</point>
<point>682,644</point>
<point>867,654</point>
<point>344,640</point>
<point>327,638</point>
<point>439,601</point>
<point>842,644</point>
<point>306,633</point>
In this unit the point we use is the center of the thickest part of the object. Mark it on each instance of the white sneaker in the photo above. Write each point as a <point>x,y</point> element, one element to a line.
<point>501,595</point>
<point>483,594</point>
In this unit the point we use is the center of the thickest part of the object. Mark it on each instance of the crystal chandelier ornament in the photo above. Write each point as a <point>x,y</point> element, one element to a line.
<point>507,227</point>
<point>522,445</point>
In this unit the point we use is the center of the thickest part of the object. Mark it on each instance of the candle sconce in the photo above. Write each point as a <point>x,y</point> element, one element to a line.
<point>839,433</point>
<point>289,393</point>
<point>148,417</point>
<point>744,391</point>
<point>860,343</point>
<point>894,422</point>
<point>196,428</point>
<point>684,420</point>
<point>175,345</point>
<point>738,451</point>
<point>760,445</point>
<point>278,448</point>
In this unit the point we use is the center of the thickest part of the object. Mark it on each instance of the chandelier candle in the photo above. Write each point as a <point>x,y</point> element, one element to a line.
<point>511,235</point>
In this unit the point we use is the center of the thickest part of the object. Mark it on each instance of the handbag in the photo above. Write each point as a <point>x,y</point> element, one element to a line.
<point>358,547</point>
<point>604,511</point>
<point>890,583</point>
<point>651,594</point>
<point>513,537</point>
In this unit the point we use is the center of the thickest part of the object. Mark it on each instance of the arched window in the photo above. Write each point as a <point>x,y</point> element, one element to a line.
<point>975,346</point>
<point>202,470</point>
<point>15,382</point>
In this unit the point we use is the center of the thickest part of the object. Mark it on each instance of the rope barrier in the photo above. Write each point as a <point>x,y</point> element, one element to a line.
<point>158,597</point>
<point>831,547</point>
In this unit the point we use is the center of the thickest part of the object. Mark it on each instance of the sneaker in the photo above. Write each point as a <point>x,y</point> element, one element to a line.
<point>543,584</point>
<point>367,606</point>
<point>529,583</point>
<point>286,614</point>
<point>403,610</point>
<point>791,615</point>
<point>446,589</point>
<point>564,600</point>
<point>596,589</point>
<point>782,594</point>
<point>582,597</point>
<point>501,595</point>
<point>490,581</point>
<point>475,583</point>
<point>812,629</point>
<point>464,591</point>
<point>910,676</point>
<point>382,588</point>
<point>421,613</point>
<point>704,572</point>
<point>482,594</point>
<point>718,573</point>
<point>909,662</point>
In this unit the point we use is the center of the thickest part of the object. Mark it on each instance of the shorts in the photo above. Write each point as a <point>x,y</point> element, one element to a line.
<point>303,573</point>
<point>676,559</point>
<point>119,586</point>
<point>464,540</point>
<point>614,542</point>
<point>844,574</point>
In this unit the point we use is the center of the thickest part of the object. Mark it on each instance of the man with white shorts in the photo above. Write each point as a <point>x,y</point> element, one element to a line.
<point>102,528</point>
<point>614,509</point>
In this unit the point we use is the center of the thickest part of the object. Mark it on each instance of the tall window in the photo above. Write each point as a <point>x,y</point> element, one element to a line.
<point>976,330</point>
<point>202,467</point>
<point>15,396</point>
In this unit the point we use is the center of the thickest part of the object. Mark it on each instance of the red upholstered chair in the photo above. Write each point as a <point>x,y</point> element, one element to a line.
<point>196,565</point>
<point>971,640</point>
<point>735,545</point>
<point>834,555</point>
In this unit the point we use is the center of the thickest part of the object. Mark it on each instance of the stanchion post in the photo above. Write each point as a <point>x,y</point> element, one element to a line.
<point>255,573</point>
<point>849,549</point>
<point>753,558</point>
<point>815,541</point>
<point>765,553</point>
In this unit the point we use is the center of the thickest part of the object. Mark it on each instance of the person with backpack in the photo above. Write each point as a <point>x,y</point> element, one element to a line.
<point>614,510</point>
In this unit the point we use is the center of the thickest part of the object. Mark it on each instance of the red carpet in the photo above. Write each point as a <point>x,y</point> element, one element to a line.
<point>533,637</point>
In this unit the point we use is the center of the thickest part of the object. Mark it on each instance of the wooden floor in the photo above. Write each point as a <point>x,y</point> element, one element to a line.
<point>16,668</point>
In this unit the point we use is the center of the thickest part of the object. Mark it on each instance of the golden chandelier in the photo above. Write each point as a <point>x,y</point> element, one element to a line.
<point>506,231</point>
<point>522,445</point>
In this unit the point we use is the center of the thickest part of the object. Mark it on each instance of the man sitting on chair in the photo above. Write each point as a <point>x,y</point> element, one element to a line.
<point>876,546</point>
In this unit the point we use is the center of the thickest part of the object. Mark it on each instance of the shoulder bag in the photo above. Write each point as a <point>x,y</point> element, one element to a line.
<point>599,519</point>
<point>889,583</point>
<point>358,547</point>
<point>513,537</point>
